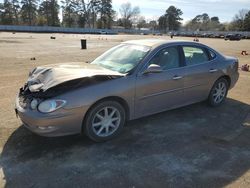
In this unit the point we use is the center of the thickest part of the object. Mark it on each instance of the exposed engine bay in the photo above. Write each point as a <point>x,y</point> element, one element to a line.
<point>64,87</point>
<point>50,81</point>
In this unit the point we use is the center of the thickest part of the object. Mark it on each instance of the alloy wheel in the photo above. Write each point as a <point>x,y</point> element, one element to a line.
<point>219,92</point>
<point>106,121</point>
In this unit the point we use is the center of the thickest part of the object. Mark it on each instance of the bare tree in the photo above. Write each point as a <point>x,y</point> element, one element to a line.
<point>241,14</point>
<point>141,22</point>
<point>129,14</point>
<point>238,21</point>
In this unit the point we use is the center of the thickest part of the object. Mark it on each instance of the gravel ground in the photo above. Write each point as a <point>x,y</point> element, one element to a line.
<point>194,146</point>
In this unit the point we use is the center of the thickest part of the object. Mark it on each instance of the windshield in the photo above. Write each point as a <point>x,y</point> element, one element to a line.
<point>122,58</point>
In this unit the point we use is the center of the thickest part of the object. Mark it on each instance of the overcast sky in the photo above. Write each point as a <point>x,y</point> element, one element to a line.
<point>152,9</point>
<point>224,9</point>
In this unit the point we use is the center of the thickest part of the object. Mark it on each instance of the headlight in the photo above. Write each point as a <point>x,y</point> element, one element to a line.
<point>50,105</point>
<point>33,104</point>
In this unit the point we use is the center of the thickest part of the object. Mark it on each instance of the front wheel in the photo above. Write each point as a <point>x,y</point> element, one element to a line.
<point>104,121</point>
<point>218,92</point>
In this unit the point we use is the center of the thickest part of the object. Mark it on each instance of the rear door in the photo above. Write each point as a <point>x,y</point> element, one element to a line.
<point>157,92</point>
<point>200,72</point>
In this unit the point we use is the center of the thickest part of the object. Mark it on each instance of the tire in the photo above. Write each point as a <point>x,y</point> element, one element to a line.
<point>218,92</point>
<point>104,121</point>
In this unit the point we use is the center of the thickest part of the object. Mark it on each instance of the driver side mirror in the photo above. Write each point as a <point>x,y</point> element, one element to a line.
<point>153,68</point>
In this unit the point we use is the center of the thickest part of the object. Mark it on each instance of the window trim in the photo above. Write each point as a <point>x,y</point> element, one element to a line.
<point>209,54</point>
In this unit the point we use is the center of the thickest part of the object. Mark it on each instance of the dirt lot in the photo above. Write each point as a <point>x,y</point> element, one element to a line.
<point>195,146</point>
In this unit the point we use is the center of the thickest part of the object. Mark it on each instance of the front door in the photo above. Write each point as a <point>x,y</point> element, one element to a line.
<point>156,92</point>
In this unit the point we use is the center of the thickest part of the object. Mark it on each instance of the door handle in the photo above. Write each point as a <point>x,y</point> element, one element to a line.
<point>213,70</point>
<point>177,77</point>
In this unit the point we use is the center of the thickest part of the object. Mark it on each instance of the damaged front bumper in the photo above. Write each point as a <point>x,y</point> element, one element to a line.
<point>59,123</point>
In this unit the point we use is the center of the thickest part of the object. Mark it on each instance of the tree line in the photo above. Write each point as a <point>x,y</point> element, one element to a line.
<point>29,12</point>
<point>75,13</point>
<point>240,22</point>
<point>170,21</point>
<point>100,14</point>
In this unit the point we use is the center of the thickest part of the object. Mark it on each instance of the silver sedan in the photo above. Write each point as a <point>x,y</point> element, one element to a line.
<point>129,81</point>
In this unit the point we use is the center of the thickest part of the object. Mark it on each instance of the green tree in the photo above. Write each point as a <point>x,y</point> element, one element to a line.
<point>29,11</point>
<point>15,11</point>
<point>7,13</point>
<point>48,12</point>
<point>1,13</point>
<point>215,19</point>
<point>7,18</point>
<point>70,16</point>
<point>214,24</point>
<point>246,24</point>
<point>43,13</point>
<point>173,18</point>
<point>152,25</point>
<point>106,14</point>
<point>204,23</point>
<point>163,23</point>
<point>200,22</point>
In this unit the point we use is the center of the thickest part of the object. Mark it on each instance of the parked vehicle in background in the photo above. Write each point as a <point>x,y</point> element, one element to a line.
<point>134,79</point>
<point>157,34</point>
<point>219,36</point>
<point>103,32</point>
<point>236,37</point>
<point>246,36</point>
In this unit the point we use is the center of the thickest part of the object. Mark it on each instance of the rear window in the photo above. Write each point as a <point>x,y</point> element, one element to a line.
<point>195,55</point>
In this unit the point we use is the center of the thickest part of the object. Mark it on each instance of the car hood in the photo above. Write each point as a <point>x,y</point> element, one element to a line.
<point>46,77</point>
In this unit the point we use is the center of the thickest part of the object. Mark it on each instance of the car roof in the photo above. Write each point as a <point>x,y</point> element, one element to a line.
<point>157,42</point>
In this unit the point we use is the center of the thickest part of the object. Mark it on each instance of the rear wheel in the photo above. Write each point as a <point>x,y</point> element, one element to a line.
<point>104,121</point>
<point>218,92</point>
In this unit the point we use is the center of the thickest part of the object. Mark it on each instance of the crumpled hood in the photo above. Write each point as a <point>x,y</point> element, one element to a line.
<point>43,78</point>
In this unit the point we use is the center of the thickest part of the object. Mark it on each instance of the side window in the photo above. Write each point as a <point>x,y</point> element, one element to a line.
<point>167,58</point>
<point>195,55</point>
